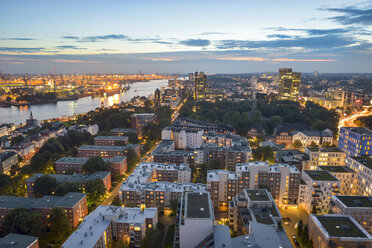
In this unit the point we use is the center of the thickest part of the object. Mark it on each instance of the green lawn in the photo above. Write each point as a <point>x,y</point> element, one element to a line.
<point>170,236</point>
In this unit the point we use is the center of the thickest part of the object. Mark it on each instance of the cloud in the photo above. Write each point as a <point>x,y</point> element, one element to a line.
<point>195,42</point>
<point>17,39</point>
<point>312,31</point>
<point>103,38</point>
<point>165,59</point>
<point>212,33</point>
<point>22,49</point>
<point>275,60</point>
<point>70,37</point>
<point>74,61</point>
<point>302,60</point>
<point>280,36</point>
<point>244,59</point>
<point>69,47</point>
<point>352,15</point>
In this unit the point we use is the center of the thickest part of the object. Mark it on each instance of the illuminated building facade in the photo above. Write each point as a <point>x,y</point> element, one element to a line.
<point>289,84</point>
<point>200,86</point>
<point>355,141</point>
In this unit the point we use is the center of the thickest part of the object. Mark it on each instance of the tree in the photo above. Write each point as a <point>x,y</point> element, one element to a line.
<point>6,185</point>
<point>118,244</point>
<point>114,120</point>
<point>59,224</point>
<point>313,144</point>
<point>23,221</point>
<point>95,164</point>
<point>297,144</point>
<point>152,239</point>
<point>45,185</point>
<point>63,188</point>
<point>95,189</point>
<point>216,164</point>
<point>173,204</point>
<point>132,137</point>
<point>16,140</point>
<point>8,99</point>
<point>116,202</point>
<point>132,158</point>
<point>299,229</point>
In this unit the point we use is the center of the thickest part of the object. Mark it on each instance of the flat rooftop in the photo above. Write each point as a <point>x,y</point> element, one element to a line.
<point>340,226</point>
<point>257,194</point>
<point>197,206</point>
<point>117,138</point>
<point>14,240</point>
<point>355,201</point>
<point>359,130</point>
<point>323,149</point>
<point>103,148</point>
<point>337,169</point>
<point>367,161</point>
<point>320,175</point>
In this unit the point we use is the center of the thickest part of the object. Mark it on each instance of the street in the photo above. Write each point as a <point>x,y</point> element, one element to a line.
<point>349,121</point>
<point>295,214</point>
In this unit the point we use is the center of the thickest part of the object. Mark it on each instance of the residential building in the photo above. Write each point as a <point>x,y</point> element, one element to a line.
<point>81,179</point>
<point>74,204</point>
<point>106,151</point>
<point>140,121</point>
<point>92,129</point>
<point>184,138</point>
<point>7,160</point>
<point>289,84</point>
<point>110,140</point>
<point>363,167</point>
<point>196,219</point>
<point>165,153</point>
<point>325,156</point>
<point>14,240</point>
<point>256,131</point>
<point>359,207</point>
<point>200,86</point>
<point>283,136</point>
<point>106,223</point>
<point>315,194</point>
<point>282,181</point>
<point>319,138</point>
<point>346,176</point>
<point>65,165</point>
<point>122,131</point>
<point>156,185</point>
<point>201,125</point>
<point>355,141</point>
<point>293,157</point>
<point>333,230</point>
<point>26,150</point>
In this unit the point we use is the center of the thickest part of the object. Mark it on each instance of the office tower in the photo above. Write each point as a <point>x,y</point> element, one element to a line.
<point>200,86</point>
<point>289,84</point>
<point>355,141</point>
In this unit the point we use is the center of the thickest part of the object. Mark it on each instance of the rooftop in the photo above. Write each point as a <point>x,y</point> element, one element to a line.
<point>257,194</point>
<point>118,138</point>
<point>79,160</point>
<point>340,226</point>
<point>123,130</point>
<point>320,175</point>
<point>367,161</point>
<point>337,169</point>
<point>355,201</point>
<point>77,177</point>
<point>6,155</point>
<point>323,149</point>
<point>197,205</point>
<point>359,130</point>
<point>14,240</point>
<point>107,148</point>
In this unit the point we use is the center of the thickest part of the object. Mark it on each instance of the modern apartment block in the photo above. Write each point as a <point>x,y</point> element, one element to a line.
<point>289,84</point>
<point>363,167</point>
<point>359,207</point>
<point>165,153</point>
<point>355,141</point>
<point>81,179</point>
<point>333,230</point>
<point>320,138</point>
<point>75,164</point>
<point>326,156</point>
<point>346,176</point>
<point>156,185</point>
<point>140,121</point>
<point>122,131</point>
<point>7,160</point>
<point>106,223</point>
<point>293,157</point>
<point>110,140</point>
<point>196,219</point>
<point>88,151</point>
<point>14,240</point>
<point>253,205</point>
<point>317,190</point>
<point>282,181</point>
<point>74,204</point>
<point>184,138</point>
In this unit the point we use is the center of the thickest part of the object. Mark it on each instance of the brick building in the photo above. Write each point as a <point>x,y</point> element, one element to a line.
<point>88,151</point>
<point>110,140</point>
<point>140,121</point>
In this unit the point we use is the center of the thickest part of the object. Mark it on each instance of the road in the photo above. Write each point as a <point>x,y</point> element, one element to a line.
<point>349,121</point>
<point>295,214</point>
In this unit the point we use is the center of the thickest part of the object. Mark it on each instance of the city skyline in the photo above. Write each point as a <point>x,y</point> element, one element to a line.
<point>167,36</point>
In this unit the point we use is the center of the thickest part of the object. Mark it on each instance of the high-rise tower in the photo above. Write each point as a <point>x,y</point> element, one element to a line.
<point>289,84</point>
<point>200,86</point>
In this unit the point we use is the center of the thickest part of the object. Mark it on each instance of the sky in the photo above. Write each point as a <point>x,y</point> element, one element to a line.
<point>174,36</point>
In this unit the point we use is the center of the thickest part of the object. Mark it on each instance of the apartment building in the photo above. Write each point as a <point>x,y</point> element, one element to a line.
<point>334,230</point>
<point>363,167</point>
<point>283,136</point>
<point>325,156</point>
<point>88,151</point>
<point>92,129</point>
<point>14,240</point>
<point>7,160</point>
<point>106,223</point>
<point>65,165</point>
<point>74,204</point>
<point>355,141</point>
<point>165,153</point>
<point>282,181</point>
<point>110,140</point>
<point>140,121</point>
<point>320,138</point>
<point>346,176</point>
<point>315,194</point>
<point>359,207</point>
<point>122,131</point>
<point>156,185</point>
<point>81,179</point>
<point>253,205</point>
<point>184,138</point>
<point>293,157</point>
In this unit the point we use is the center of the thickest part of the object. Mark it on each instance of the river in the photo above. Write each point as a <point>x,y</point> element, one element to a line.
<point>19,115</point>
